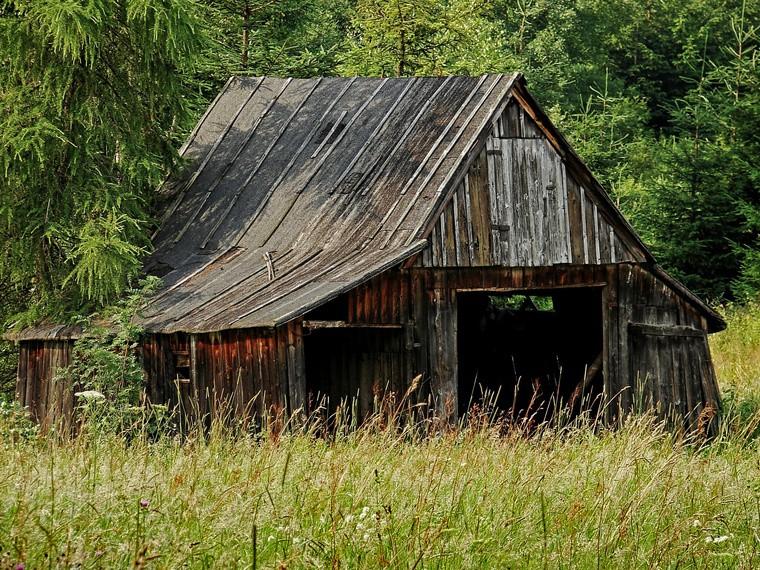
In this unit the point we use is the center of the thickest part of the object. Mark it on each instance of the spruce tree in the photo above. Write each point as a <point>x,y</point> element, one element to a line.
<point>93,104</point>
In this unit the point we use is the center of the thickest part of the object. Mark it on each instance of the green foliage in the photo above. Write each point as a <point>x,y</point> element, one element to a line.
<point>91,108</point>
<point>15,424</point>
<point>419,37</point>
<point>107,371</point>
<point>662,99</point>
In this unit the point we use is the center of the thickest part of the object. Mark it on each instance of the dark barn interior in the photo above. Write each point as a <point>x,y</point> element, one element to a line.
<point>526,352</point>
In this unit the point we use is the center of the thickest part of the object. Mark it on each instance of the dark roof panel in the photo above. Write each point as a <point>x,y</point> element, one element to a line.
<point>299,189</point>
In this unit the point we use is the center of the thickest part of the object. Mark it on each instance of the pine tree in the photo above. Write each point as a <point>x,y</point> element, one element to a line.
<point>422,37</point>
<point>92,105</point>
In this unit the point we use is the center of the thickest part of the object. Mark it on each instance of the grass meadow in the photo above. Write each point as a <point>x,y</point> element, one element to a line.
<point>564,497</point>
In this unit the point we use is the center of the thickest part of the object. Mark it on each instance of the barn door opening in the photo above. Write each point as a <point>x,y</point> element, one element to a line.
<point>527,353</point>
<point>352,367</point>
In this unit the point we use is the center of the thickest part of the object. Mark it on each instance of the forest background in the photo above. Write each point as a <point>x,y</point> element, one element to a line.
<point>660,97</point>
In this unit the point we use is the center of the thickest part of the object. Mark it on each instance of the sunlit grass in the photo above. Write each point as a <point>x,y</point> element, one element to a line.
<point>380,497</point>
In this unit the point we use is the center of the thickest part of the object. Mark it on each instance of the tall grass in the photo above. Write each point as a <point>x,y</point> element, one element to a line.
<point>635,497</point>
<point>393,496</point>
<point>736,353</point>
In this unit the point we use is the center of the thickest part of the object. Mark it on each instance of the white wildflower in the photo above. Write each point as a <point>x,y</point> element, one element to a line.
<point>696,523</point>
<point>349,518</point>
<point>366,536</point>
<point>90,395</point>
<point>364,513</point>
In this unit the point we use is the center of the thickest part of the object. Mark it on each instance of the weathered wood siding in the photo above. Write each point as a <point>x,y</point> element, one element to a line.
<point>243,372</point>
<point>654,341</point>
<point>519,206</point>
<point>659,351</point>
<point>40,384</point>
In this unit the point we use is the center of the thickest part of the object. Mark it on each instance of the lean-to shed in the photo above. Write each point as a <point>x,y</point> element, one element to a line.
<point>340,236</point>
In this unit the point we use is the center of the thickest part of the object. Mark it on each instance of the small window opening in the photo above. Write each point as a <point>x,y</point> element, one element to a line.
<point>181,365</point>
<point>522,302</point>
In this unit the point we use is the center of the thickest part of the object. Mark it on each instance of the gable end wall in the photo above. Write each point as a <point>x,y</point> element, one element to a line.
<point>518,206</point>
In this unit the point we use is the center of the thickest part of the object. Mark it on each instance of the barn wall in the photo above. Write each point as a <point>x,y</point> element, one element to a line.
<point>243,372</point>
<point>650,333</point>
<point>663,354</point>
<point>39,386</point>
<point>519,206</point>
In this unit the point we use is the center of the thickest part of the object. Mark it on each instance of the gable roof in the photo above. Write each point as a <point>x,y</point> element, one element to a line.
<point>300,189</point>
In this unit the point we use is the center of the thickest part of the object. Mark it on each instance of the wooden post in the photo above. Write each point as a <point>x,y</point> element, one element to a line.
<point>442,317</point>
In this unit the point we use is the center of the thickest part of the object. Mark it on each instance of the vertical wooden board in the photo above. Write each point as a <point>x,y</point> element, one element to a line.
<point>507,214</point>
<point>450,236</point>
<point>463,231</point>
<point>45,377</point>
<point>678,389</point>
<point>510,121</point>
<point>706,373</point>
<point>604,240</point>
<point>495,154</point>
<point>199,362</point>
<point>521,208</point>
<point>23,355</point>
<point>480,209</point>
<point>270,373</point>
<point>692,390</point>
<point>236,342</point>
<point>443,353</point>
<point>296,370</point>
<point>527,163</point>
<point>454,207</point>
<point>371,303</point>
<point>612,378</point>
<point>575,220</point>
<point>597,246</point>
<point>585,224</point>
<point>419,312</point>
<point>435,245</point>
<point>567,254</point>
<point>552,231</point>
<point>31,383</point>
<point>469,221</point>
<point>613,250</point>
<point>665,374</point>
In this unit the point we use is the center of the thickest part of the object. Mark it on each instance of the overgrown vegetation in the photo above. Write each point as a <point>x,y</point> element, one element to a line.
<point>391,495</point>
<point>471,500</point>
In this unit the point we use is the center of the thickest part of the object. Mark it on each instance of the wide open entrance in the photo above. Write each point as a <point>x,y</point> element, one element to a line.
<point>525,352</point>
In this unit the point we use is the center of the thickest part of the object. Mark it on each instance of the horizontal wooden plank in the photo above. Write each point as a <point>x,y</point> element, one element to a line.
<point>346,325</point>
<point>665,330</point>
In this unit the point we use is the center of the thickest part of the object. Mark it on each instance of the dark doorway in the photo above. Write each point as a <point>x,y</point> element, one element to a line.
<point>526,352</point>
<point>352,367</point>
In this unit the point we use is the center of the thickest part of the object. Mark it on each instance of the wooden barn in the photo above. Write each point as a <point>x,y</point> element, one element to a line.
<point>340,236</point>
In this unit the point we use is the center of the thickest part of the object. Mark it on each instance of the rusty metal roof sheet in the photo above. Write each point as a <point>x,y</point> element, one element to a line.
<point>299,189</point>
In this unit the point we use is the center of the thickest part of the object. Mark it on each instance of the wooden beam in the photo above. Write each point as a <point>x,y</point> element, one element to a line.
<point>665,330</point>
<point>315,325</point>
